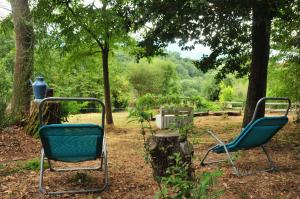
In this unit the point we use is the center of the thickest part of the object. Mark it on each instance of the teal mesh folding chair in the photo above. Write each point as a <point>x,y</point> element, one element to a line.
<point>257,133</point>
<point>71,143</point>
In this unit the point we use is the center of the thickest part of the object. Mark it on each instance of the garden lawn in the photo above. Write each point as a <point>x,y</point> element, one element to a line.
<point>131,177</point>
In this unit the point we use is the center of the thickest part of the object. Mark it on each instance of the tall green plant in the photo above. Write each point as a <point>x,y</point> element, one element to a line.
<point>177,184</point>
<point>142,114</point>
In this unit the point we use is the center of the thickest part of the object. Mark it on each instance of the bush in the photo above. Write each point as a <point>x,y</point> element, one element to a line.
<point>71,108</point>
<point>147,101</point>
<point>156,77</point>
<point>204,105</point>
<point>169,100</point>
<point>226,93</point>
<point>178,184</point>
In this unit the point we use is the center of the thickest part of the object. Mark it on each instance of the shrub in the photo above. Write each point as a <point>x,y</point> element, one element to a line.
<point>147,101</point>
<point>226,93</point>
<point>70,108</point>
<point>178,184</point>
<point>204,105</point>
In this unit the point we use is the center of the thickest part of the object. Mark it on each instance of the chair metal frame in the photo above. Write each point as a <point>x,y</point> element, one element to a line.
<point>272,166</point>
<point>103,166</point>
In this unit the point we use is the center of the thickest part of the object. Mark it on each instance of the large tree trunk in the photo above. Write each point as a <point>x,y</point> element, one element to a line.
<point>24,58</point>
<point>260,57</point>
<point>109,118</point>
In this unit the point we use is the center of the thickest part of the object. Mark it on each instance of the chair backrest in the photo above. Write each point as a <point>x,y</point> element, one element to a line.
<point>258,132</point>
<point>72,142</point>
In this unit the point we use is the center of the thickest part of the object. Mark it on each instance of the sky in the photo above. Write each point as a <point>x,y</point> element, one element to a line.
<point>193,54</point>
<point>4,8</point>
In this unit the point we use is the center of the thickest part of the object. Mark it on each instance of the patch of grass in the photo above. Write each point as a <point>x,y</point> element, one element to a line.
<point>32,164</point>
<point>120,119</point>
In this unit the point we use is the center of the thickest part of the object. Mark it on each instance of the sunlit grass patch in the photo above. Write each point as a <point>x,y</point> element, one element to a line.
<point>120,119</point>
<point>33,164</point>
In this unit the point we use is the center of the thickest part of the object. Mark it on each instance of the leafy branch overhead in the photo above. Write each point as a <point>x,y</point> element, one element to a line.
<point>223,26</point>
<point>105,25</point>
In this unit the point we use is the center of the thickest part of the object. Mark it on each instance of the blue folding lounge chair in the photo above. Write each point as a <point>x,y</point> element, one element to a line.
<point>73,143</point>
<point>257,133</point>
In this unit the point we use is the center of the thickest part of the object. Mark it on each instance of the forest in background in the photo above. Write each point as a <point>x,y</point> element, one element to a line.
<point>77,73</point>
<point>70,53</point>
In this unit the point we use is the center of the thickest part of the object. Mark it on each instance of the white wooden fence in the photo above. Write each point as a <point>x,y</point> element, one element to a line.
<point>176,117</point>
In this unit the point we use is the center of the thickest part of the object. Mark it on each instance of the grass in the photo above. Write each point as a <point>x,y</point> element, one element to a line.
<point>120,119</point>
<point>32,165</point>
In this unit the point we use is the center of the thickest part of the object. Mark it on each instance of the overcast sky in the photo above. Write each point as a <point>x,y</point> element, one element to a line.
<point>4,8</point>
<point>193,54</point>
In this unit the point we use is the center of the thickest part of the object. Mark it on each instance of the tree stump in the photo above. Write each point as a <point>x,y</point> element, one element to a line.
<point>51,115</point>
<point>162,146</point>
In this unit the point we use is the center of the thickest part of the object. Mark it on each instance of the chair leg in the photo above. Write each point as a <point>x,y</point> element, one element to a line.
<point>271,163</point>
<point>105,170</point>
<point>41,189</point>
<point>235,170</point>
<point>202,163</point>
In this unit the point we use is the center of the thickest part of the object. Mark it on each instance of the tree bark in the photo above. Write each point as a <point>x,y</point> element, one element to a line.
<point>109,118</point>
<point>261,28</point>
<point>24,59</point>
<point>164,145</point>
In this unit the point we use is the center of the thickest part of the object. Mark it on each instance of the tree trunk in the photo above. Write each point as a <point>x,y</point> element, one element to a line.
<point>24,59</point>
<point>261,24</point>
<point>109,118</point>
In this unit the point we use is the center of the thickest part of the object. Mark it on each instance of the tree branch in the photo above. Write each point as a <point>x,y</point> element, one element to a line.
<point>85,27</point>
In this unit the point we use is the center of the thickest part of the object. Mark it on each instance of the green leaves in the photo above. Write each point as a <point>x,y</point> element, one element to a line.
<point>177,184</point>
<point>224,26</point>
<point>156,77</point>
<point>76,21</point>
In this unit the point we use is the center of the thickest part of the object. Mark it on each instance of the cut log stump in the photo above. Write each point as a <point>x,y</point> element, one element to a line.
<point>164,145</point>
<point>51,115</point>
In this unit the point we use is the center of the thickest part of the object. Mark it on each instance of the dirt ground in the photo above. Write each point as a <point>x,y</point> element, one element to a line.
<point>131,177</point>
